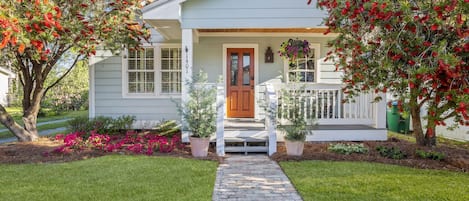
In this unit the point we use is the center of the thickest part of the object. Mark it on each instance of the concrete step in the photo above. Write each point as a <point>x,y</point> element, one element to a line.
<point>247,144</point>
<point>246,150</point>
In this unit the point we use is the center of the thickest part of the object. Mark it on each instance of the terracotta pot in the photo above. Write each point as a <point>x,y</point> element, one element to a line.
<point>294,148</point>
<point>199,146</point>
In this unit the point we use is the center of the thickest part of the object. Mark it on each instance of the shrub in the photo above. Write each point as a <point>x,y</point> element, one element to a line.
<point>392,152</point>
<point>101,124</point>
<point>347,149</point>
<point>167,128</point>
<point>430,155</point>
<point>79,124</point>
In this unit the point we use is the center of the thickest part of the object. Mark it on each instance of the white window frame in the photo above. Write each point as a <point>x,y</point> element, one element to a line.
<point>157,70</point>
<point>286,69</point>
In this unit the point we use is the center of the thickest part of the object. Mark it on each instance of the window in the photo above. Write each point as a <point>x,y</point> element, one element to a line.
<point>170,70</point>
<point>153,71</point>
<point>303,70</point>
<point>141,71</point>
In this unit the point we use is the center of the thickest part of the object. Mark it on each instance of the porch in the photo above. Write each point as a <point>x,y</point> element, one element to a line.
<point>357,120</point>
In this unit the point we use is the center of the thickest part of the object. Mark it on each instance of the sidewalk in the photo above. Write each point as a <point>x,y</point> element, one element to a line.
<point>41,133</point>
<point>43,123</point>
<point>253,177</point>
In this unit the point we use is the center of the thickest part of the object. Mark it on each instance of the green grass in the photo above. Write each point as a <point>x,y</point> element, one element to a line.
<point>321,180</point>
<point>440,140</point>
<point>17,113</point>
<point>110,178</point>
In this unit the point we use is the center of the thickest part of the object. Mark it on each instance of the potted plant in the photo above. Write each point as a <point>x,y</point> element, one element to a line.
<point>199,114</point>
<point>293,123</point>
<point>293,49</point>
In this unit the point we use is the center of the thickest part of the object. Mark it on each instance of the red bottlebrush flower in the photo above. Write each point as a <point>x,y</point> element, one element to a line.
<point>449,97</point>
<point>434,54</point>
<point>434,27</point>
<point>28,28</point>
<point>411,85</point>
<point>388,27</point>
<point>55,34</point>
<point>411,62</point>
<point>21,48</point>
<point>427,44</point>
<point>344,11</point>
<point>396,57</point>
<point>347,4</point>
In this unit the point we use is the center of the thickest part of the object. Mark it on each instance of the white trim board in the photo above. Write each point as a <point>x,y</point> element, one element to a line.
<point>263,34</point>
<point>92,92</point>
<point>256,71</point>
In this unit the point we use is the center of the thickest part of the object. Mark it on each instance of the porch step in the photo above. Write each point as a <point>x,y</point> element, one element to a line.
<point>243,124</point>
<point>247,144</point>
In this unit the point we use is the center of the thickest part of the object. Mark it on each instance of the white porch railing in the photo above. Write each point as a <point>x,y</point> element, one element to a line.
<point>323,103</point>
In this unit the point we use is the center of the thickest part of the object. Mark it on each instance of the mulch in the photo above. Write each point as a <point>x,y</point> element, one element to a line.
<point>457,159</point>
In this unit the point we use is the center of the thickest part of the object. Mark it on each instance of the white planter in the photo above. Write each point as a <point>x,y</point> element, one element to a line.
<point>199,146</point>
<point>294,148</point>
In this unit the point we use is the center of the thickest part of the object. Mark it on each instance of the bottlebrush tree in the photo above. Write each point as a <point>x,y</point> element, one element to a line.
<point>417,49</point>
<point>38,34</point>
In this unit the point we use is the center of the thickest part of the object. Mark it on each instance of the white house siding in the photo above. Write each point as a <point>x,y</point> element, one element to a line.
<point>208,55</point>
<point>109,100</point>
<point>250,14</point>
<point>3,88</point>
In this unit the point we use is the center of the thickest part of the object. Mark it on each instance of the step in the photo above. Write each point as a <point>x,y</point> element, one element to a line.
<point>246,144</point>
<point>246,150</point>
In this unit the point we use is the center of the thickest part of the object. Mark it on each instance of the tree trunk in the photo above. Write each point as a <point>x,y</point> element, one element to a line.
<point>430,137</point>
<point>25,134</point>
<point>417,125</point>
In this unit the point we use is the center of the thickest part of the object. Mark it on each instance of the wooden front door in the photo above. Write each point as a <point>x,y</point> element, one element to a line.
<point>240,83</point>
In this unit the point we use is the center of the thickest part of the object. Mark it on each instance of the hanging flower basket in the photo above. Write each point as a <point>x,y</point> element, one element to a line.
<point>293,49</point>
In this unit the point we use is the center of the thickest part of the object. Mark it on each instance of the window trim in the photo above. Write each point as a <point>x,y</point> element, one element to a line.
<point>317,52</point>
<point>157,70</point>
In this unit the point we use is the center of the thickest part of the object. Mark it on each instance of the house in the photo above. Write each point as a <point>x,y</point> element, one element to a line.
<point>231,39</point>
<point>6,76</point>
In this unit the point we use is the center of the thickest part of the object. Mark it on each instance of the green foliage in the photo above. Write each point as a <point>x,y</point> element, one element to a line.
<point>433,155</point>
<point>79,124</point>
<point>347,149</point>
<point>363,181</point>
<point>199,111</point>
<point>416,50</point>
<point>293,122</point>
<point>42,38</point>
<point>392,152</point>
<point>71,93</point>
<point>167,128</point>
<point>101,124</point>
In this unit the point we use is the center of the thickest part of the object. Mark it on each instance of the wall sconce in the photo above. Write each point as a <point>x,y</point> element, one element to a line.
<point>269,56</point>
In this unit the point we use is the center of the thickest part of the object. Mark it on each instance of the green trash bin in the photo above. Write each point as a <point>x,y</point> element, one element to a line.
<point>396,122</point>
<point>392,117</point>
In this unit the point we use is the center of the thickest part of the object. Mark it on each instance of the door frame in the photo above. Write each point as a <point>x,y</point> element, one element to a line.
<point>256,71</point>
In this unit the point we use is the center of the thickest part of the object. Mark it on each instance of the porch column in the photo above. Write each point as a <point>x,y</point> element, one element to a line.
<point>220,105</point>
<point>186,72</point>
<point>380,116</point>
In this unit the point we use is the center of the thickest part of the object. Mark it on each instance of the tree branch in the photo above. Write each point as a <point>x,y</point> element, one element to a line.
<point>452,114</point>
<point>65,74</point>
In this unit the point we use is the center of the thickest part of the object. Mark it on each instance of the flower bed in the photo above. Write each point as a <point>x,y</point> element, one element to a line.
<point>132,141</point>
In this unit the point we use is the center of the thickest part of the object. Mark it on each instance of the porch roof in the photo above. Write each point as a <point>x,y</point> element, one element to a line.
<point>168,17</point>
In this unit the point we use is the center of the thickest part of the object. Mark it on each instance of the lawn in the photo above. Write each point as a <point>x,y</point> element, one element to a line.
<point>110,178</point>
<point>17,113</point>
<point>325,180</point>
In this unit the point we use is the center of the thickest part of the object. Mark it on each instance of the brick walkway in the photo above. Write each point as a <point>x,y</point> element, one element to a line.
<point>253,177</point>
